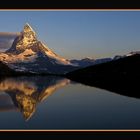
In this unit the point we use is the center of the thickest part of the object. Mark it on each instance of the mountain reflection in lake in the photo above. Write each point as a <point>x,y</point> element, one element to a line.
<point>58,103</point>
<point>26,93</point>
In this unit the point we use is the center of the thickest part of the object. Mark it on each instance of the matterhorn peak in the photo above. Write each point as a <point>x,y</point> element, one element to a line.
<point>28,32</point>
<point>27,25</point>
<point>27,53</point>
<point>25,40</point>
<point>28,28</point>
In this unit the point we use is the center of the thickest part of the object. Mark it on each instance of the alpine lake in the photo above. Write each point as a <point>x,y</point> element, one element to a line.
<point>57,103</point>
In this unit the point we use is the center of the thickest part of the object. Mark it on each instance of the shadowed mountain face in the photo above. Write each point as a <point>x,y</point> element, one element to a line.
<point>25,93</point>
<point>121,76</point>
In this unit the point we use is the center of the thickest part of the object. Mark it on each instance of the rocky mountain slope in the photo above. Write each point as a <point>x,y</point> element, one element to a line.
<point>28,54</point>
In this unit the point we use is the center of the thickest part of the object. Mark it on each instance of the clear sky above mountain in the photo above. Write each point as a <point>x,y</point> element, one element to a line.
<point>79,34</point>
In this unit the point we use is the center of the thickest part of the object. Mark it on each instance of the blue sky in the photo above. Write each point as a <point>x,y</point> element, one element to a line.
<point>79,34</point>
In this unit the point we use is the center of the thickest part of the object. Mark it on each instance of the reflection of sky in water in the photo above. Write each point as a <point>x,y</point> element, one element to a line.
<point>73,106</point>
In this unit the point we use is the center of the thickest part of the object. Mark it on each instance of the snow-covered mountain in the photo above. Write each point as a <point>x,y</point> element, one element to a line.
<point>126,55</point>
<point>89,61</point>
<point>27,53</point>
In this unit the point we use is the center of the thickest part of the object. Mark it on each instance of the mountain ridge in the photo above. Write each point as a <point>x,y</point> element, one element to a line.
<point>29,54</point>
<point>121,76</point>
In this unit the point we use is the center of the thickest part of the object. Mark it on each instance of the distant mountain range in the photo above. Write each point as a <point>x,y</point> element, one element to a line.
<point>29,55</point>
<point>124,66</point>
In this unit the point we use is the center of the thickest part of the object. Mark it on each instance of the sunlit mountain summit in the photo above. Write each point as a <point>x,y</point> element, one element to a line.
<point>25,40</point>
<point>24,94</point>
<point>29,54</point>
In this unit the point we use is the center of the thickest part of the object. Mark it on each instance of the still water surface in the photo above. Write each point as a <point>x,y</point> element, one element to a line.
<point>58,103</point>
